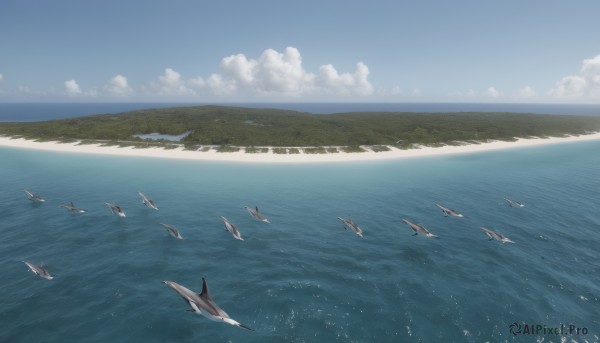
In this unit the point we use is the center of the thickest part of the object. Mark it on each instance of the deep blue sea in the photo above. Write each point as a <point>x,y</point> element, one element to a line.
<point>303,278</point>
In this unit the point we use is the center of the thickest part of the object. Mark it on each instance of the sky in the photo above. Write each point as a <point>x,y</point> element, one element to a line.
<point>511,51</point>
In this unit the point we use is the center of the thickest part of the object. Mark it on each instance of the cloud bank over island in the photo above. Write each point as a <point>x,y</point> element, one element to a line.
<point>281,76</point>
<point>272,74</point>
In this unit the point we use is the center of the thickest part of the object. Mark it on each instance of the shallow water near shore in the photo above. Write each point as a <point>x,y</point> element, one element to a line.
<point>303,278</point>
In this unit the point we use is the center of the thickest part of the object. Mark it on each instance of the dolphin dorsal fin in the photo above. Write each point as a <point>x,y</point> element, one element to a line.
<point>204,294</point>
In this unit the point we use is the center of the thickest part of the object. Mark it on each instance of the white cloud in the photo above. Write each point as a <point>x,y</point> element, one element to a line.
<point>569,87</point>
<point>119,86</point>
<point>270,76</point>
<point>272,72</point>
<point>240,68</point>
<point>72,88</point>
<point>281,73</point>
<point>171,83</point>
<point>526,92</point>
<point>215,84</point>
<point>591,71</point>
<point>492,92</point>
<point>171,79</point>
<point>356,83</point>
<point>591,66</point>
<point>1,77</point>
<point>584,85</point>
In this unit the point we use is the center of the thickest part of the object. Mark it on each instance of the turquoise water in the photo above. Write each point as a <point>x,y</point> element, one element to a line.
<point>158,136</point>
<point>302,278</point>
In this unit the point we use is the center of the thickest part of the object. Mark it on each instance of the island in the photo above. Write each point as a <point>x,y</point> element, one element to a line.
<point>269,131</point>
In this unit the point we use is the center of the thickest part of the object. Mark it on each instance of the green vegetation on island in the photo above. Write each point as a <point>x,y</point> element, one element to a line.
<point>233,127</point>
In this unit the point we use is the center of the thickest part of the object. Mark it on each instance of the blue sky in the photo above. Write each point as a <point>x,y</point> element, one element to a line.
<point>294,51</point>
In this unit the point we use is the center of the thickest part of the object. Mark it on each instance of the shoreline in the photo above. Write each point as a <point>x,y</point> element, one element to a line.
<point>271,157</point>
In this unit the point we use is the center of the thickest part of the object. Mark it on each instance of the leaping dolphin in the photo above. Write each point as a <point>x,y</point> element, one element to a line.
<point>350,225</point>
<point>513,203</point>
<point>231,228</point>
<point>257,215</point>
<point>116,210</point>
<point>419,228</point>
<point>203,304</point>
<point>172,231</point>
<point>72,208</point>
<point>34,197</point>
<point>448,211</point>
<point>39,270</point>
<point>147,201</point>
<point>496,235</point>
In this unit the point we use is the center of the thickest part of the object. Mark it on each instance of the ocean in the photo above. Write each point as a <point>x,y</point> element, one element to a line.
<point>304,278</point>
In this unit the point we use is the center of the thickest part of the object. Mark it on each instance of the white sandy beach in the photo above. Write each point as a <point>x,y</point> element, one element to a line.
<point>270,157</point>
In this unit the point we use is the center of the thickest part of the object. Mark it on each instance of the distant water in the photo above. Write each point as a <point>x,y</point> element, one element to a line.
<point>158,136</point>
<point>303,278</point>
<point>49,111</point>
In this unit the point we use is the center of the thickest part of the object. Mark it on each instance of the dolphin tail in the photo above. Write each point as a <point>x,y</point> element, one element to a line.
<point>244,327</point>
<point>236,323</point>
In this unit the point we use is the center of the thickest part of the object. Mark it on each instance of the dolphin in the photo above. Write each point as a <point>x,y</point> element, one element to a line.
<point>496,235</point>
<point>513,203</point>
<point>172,231</point>
<point>231,228</point>
<point>116,210</point>
<point>419,228</point>
<point>350,225</point>
<point>203,304</point>
<point>147,201</point>
<point>33,197</point>
<point>39,270</point>
<point>72,208</point>
<point>448,211</point>
<point>257,215</point>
